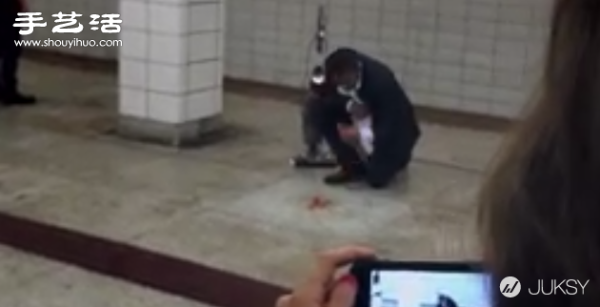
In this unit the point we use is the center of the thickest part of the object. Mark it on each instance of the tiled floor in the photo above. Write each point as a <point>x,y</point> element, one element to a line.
<point>235,205</point>
<point>28,281</point>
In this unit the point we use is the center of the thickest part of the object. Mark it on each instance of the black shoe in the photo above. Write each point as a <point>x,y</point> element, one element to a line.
<point>344,176</point>
<point>17,99</point>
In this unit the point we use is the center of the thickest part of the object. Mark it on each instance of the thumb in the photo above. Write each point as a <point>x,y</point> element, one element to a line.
<point>344,292</point>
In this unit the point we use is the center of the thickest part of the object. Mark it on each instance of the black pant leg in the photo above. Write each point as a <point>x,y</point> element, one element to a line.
<point>312,116</point>
<point>9,56</point>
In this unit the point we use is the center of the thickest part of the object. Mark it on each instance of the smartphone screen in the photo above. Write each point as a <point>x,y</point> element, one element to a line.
<point>400,288</point>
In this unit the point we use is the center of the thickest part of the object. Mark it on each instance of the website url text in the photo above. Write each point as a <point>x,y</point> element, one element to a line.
<point>69,43</point>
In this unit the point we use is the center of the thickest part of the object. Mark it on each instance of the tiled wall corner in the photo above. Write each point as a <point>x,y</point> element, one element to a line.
<point>205,59</point>
<point>134,56</point>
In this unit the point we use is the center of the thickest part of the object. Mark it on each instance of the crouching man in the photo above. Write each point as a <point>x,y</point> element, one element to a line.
<point>380,144</point>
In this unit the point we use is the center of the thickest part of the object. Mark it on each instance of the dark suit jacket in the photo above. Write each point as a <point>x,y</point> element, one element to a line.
<point>394,123</point>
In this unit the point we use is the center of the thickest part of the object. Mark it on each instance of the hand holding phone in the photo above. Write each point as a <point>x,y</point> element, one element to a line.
<point>321,288</point>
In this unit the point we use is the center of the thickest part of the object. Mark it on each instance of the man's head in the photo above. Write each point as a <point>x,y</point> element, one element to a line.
<point>343,69</point>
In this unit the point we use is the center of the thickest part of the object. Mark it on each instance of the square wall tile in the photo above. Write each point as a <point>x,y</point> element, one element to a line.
<point>134,14</point>
<point>223,15</point>
<point>169,49</point>
<point>168,18</point>
<point>166,108</point>
<point>204,46</point>
<point>135,44</point>
<point>204,17</point>
<point>203,104</point>
<point>133,73</point>
<point>133,102</point>
<point>167,78</point>
<point>203,75</point>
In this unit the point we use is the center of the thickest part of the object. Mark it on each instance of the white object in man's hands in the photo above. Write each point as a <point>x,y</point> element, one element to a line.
<point>365,130</point>
<point>364,126</point>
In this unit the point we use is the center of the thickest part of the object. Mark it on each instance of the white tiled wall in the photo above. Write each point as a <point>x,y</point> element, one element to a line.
<point>170,63</point>
<point>473,55</point>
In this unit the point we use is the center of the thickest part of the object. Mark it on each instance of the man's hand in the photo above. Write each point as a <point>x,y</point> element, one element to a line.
<point>321,288</point>
<point>349,134</point>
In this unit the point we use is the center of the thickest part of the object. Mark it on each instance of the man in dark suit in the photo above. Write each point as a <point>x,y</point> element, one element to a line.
<point>394,125</point>
<point>10,54</point>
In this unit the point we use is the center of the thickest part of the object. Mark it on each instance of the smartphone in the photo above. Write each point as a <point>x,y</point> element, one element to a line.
<point>421,284</point>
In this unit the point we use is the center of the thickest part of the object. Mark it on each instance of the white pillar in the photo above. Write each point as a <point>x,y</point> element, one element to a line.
<point>171,68</point>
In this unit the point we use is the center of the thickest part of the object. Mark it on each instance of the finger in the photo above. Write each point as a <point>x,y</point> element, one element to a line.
<point>314,289</point>
<point>283,301</point>
<point>344,292</point>
<point>329,261</point>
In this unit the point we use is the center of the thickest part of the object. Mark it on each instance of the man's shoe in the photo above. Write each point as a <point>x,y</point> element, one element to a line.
<point>343,176</point>
<point>17,99</point>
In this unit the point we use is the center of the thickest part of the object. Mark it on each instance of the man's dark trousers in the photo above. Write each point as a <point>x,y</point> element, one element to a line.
<point>311,121</point>
<point>378,173</point>
<point>9,52</point>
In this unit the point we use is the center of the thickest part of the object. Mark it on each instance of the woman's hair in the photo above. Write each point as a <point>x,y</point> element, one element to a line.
<point>540,209</point>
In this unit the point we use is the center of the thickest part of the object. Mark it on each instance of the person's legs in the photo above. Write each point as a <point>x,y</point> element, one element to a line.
<point>311,120</point>
<point>336,114</point>
<point>351,166</point>
<point>10,54</point>
<point>312,116</point>
<point>8,73</point>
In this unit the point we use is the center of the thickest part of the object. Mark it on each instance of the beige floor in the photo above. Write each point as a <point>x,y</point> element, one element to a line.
<point>27,281</point>
<point>234,205</point>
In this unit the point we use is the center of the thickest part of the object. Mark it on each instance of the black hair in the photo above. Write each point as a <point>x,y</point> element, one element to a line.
<point>341,61</point>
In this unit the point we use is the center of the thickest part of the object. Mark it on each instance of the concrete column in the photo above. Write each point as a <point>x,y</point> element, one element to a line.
<point>171,68</point>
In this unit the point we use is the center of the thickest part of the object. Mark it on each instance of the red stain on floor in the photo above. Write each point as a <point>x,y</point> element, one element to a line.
<point>319,203</point>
